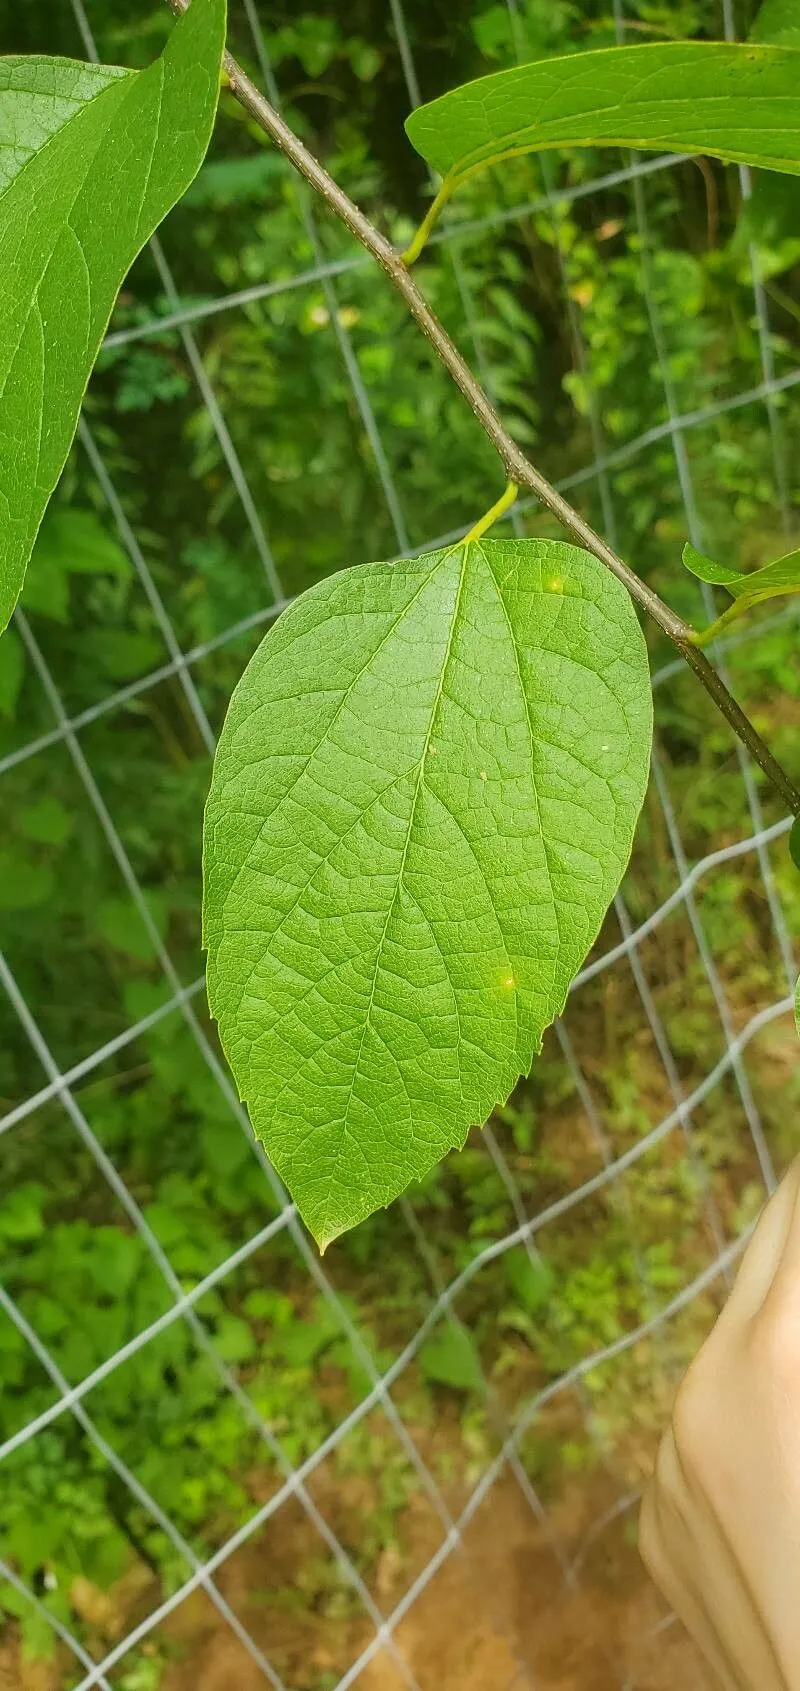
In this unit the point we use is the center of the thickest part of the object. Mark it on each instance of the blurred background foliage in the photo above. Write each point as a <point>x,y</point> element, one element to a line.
<point>588,304</point>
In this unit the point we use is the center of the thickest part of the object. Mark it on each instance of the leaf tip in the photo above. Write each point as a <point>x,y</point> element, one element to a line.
<point>691,558</point>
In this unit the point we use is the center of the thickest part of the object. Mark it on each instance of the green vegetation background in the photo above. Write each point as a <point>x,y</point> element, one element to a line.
<point>523,296</point>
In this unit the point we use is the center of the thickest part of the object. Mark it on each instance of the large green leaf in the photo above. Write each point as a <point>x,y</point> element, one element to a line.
<point>772,581</point>
<point>731,100</point>
<point>91,159</point>
<point>423,799</point>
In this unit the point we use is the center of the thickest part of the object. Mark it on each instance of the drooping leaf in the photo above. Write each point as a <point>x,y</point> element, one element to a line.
<point>777,21</point>
<point>450,1358</point>
<point>532,1282</point>
<point>794,842</point>
<point>97,157</point>
<point>770,582</point>
<point>121,653</point>
<point>45,821</point>
<point>69,542</point>
<point>224,183</point>
<point>732,100</point>
<point>81,544</point>
<point>120,924</point>
<point>423,799</point>
<point>23,884</point>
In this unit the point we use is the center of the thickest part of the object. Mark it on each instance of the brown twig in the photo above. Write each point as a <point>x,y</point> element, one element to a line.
<point>517,467</point>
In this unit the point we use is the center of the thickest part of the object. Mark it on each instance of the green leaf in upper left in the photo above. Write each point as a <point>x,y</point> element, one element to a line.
<point>92,157</point>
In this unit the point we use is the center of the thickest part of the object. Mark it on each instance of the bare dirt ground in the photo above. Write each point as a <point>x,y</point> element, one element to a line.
<point>496,1615</point>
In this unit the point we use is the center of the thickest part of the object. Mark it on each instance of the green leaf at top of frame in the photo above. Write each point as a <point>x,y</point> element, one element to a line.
<point>778,21</point>
<point>92,157</point>
<point>772,581</point>
<point>738,101</point>
<point>423,801</point>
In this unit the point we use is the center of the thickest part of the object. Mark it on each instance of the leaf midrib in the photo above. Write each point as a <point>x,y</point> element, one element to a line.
<point>313,753</point>
<point>532,744</point>
<point>345,1127</point>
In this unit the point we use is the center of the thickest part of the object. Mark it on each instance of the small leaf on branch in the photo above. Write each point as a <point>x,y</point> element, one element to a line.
<point>707,569</point>
<point>98,157</point>
<point>423,801</point>
<point>772,581</point>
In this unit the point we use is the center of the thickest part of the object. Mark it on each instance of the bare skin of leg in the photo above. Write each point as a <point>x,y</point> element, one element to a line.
<point>720,1521</point>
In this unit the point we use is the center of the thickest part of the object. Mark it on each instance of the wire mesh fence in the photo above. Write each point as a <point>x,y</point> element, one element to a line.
<point>704,1185</point>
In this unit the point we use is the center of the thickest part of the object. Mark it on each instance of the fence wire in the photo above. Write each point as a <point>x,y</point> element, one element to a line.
<point>669,1132</point>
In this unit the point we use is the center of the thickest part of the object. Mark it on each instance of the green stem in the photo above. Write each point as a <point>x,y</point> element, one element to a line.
<point>493,515</point>
<point>704,636</point>
<point>431,217</point>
